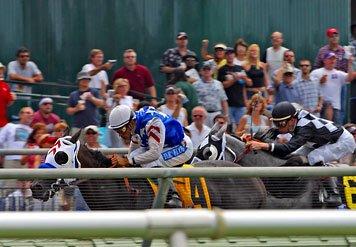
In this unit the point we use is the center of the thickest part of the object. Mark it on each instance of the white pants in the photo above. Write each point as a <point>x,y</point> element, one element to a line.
<point>170,156</point>
<point>345,145</point>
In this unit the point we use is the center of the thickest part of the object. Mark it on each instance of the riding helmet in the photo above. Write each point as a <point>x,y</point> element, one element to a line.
<point>283,111</point>
<point>120,116</point>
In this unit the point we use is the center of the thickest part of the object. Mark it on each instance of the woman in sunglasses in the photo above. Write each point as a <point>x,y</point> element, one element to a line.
<point>157,140</point>
<point>320,140</point>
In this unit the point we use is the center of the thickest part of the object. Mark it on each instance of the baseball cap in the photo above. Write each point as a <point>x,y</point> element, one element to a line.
<point>207,64</point>
<point>91,127</point>
<point>171,89</point>
<point>329,55</point>
<point>288,69</point>
<point>220,46</point>
<point>331,31</point>
<point>229,50</point>
<point>83,75</point>
<point>2,66</point>
<point>45,100</point>
<point>182,35</point>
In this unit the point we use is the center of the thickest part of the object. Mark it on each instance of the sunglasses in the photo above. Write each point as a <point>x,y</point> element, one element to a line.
<point>288,55</point>
<point>24,55</point>
<point>304,65</point>
<point>281,124</point>
<point>170,93</point>
<point>47,103</point>
<point>197,115</point>
<point>91,133</point>
<point>130,57</point>
<point>121,130</point>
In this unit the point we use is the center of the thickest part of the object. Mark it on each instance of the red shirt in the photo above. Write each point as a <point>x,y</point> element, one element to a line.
<point>49,121</point>
<point>5,99</point>
<point>140,79</point>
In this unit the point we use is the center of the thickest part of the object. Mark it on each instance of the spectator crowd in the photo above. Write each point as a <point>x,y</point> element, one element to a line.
<point>238,84</point>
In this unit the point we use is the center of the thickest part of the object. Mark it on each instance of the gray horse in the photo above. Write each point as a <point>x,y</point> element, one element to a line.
<point>282,192</point>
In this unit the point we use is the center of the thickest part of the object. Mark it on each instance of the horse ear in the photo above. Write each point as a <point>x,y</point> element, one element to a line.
<point>221,131</point>
<point>75,137</point>
<point>66,131</point>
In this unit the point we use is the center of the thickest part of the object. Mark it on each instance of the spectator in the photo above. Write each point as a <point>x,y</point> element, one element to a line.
<point>97,70</point>
<point>197,128</point>
<point>341,64</point>
<point>256,71</point>
<point>274,54</point>
<point>83,103</point>
<point>91,138</point>
<point>174,105</point>
<point>211,94</point>
<point>288,59</point>
<point>32,160</point>
<point>60,129</point>
<point>139,77</point>
<point>240,49</point>
<point>217,60</point>
<point>180,81</point>
<point>14,136</point>
<point>332,46</point>
<point>24,70</point>
<point>221,119</point>
<point>234,81</point>
<point>6,97</point>
<point>353,43</point>
<point>45,114</point>
<point>172,58</point>
<point>191,72</point>
<point>331,81</point>
<point>308,89</point>
<point>285,90</point>
<point>254,120</point>
<point>119,96</point>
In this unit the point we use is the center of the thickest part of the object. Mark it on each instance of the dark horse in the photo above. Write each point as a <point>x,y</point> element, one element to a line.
<point>282,192</point>
<point>114,194</point>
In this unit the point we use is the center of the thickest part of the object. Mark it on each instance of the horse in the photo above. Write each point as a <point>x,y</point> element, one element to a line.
<point>115,194</point>
<point>295,193</point>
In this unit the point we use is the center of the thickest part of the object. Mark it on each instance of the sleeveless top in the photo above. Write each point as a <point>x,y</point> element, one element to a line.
<point>256,75</point>
<point>181,117</point>
<point>174,131</point>
<point>254,127</point>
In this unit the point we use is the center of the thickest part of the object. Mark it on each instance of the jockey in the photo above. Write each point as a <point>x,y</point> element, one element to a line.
<point>157,140</point>
<point>320,140</point>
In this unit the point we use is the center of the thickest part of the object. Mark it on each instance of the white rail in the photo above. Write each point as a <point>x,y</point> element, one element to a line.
<point>163,223</point>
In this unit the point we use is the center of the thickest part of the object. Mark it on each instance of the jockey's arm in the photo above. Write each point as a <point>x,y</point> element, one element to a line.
<point>156,135</point>
<point>283,149</point>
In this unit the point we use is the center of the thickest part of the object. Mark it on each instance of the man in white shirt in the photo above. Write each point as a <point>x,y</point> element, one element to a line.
<point>275,53</point>
<point>197,128</point>
<point>97,70</point>
<point>14,136</point>
<point>331,81</point>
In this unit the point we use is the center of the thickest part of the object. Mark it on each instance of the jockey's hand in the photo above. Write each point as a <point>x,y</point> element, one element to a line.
<point>255,145</point>
<point>246,137</point>
<point>119,161</point>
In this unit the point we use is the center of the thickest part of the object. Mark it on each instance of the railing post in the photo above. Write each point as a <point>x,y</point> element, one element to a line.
<point>160,199</point>
<point>178,239</point>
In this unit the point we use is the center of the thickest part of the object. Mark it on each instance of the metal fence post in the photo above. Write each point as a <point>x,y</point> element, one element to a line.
<point>178,239</point>
<point>160,199</point>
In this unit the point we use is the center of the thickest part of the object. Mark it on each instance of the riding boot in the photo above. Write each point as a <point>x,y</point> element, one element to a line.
<point>333,196</point>
<point>173,199</point>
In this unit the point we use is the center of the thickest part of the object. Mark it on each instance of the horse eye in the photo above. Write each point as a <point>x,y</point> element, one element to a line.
<point>61,158</point>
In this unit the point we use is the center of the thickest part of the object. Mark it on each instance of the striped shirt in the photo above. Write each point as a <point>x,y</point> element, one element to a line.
<point>309,92</point>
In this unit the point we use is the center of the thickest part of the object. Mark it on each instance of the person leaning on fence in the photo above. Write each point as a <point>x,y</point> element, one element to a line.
<point>320,140</point>
<point>157,140</point>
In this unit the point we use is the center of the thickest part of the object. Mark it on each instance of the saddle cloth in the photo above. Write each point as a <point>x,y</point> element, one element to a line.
<point>193,192</point>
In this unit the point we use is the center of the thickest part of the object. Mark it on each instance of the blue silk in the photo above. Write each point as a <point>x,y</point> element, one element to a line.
<point>174,130</point>
<point>46,165</point>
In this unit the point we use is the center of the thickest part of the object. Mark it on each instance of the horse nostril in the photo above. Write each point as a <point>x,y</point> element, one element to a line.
<point>61,158</point>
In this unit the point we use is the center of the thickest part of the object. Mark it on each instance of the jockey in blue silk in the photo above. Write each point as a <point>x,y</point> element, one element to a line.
<point>157,140</point>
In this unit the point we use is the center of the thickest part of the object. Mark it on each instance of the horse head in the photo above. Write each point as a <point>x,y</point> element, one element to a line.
<point>64,154</point>
<point>212,147</point>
